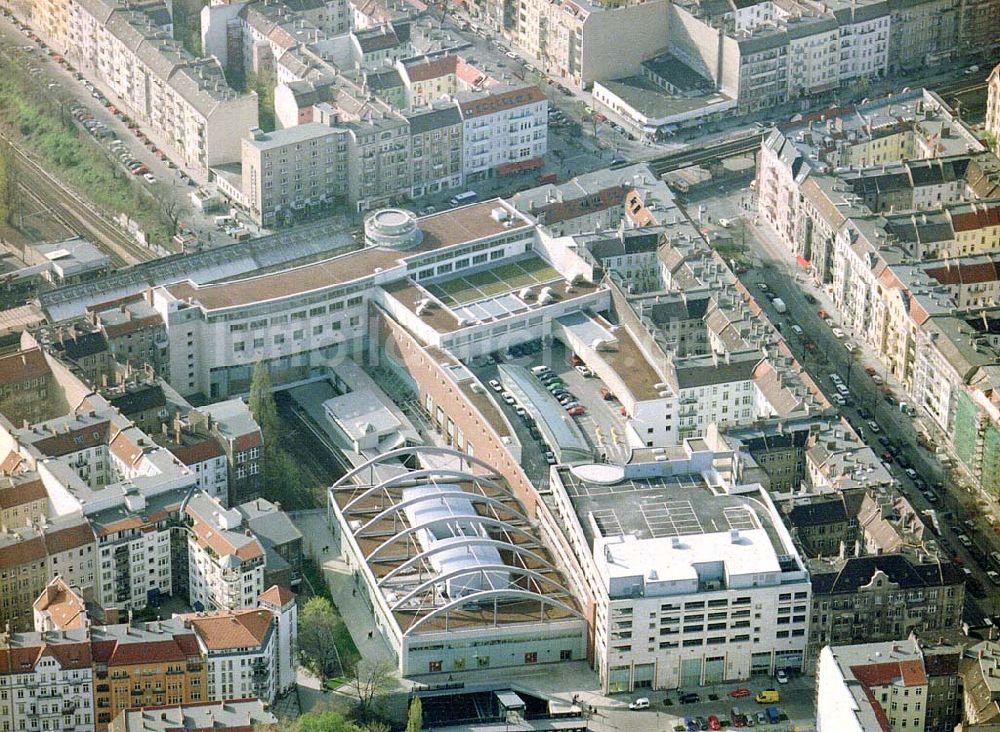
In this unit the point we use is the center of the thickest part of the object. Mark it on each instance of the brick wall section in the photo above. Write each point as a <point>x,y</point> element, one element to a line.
<point>399,346</point>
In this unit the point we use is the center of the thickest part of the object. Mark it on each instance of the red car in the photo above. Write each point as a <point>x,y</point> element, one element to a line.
<point>887,457</point>
<point>822,313</point>
<point>738,693</point>
<point>575,411</point>
<point>713,722</point>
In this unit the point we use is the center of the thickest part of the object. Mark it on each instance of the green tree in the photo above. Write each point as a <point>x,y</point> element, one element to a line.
<point>263,82</point>
<point>319,626</point>
<point>415,718</point>
<point>9,193</point>
<point>187,24</point>
<point>327,721</point>
<point>262,405</point>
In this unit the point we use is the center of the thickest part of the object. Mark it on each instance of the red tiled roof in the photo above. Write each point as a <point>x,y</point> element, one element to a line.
<point>501,102</point>
<point>29,364</point>
<point>73,537</point>
<point>880,674</point>
<point>82,438</point>
<point>238,629</point>
<point>132,325</point>
<point>245,442</point>
<point>965,273</point>
<point>125,449</point>
<point>12,463</point>
<point>426,69</point>
<point>64,606</point>
<point>566,210</point>
<point>22,552</point>
<point>199,452</point>
<point>978,218</point>
<point>278,595</point>
<point>150,651</point>
<point>17,494</point>
<point>70,655</point>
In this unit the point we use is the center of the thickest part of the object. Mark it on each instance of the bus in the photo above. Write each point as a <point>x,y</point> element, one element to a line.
<point>462,198</point>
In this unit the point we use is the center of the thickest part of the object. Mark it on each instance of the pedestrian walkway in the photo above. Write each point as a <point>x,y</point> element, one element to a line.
<point>339,577</point>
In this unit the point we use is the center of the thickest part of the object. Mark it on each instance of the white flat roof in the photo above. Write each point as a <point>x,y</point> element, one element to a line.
<point>672,559</point>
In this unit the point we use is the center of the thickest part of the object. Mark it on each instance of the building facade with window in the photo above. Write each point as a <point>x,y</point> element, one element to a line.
<point>691,584</point>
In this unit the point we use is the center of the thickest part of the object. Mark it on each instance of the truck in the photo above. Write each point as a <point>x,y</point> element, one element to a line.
<point>779,305</point>
<point>772,715</point>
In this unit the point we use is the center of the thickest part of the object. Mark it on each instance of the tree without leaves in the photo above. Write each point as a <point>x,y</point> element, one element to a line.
<point>370,680</point>
<point>171,214</point>
<point>318,629</point>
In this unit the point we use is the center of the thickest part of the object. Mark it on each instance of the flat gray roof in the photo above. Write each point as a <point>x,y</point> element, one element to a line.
<point>663,507</point>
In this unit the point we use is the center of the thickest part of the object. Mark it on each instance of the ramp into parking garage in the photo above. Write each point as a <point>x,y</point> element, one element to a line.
<point>558,428</point>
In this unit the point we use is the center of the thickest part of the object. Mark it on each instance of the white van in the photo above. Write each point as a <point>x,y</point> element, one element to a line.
<point>539,370</point>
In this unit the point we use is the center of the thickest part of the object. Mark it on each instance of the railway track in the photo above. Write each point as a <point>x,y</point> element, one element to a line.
<point>76,214</point>
<point>683,158</point>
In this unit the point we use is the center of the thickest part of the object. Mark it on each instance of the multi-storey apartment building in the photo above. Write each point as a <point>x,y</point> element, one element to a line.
<point>156,664</point>
<point>134,332</point>
<point>47,681</point>
<point>182,103</point>
<point>226,565</point>
<point>234,428</point>
<point>723,596</point>
<point>27,387</point>
<point>30,555</point>
<point>877,572</point>
<point>301,168</point>
<point>229,715</point>
<point>504,127</point>
<point>993,108</point>
<point>894,685</point>
<point>580,41</point>
<point>436,146</point>
<point>241,653</point>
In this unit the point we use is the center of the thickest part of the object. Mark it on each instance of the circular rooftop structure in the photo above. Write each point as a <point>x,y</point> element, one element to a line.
<point>395,228</point>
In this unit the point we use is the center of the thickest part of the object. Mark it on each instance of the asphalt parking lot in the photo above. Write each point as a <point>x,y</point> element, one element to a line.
<point>601,424</point>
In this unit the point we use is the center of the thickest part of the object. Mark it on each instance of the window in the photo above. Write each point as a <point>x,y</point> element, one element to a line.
<point>566,655</point>
<point>531,657</point>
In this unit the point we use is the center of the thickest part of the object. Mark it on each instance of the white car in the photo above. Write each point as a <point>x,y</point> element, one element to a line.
<point>842,389</point>
<point>994,577</point>
<point>781,676</point>
<point>838,333</point>
<point>510,54</point>
<point>550,458</point>
<point>584,371</point>
<point>508,397</point>
<point>835,378</point>
<point>496,386</point>
<point>873,426</point>
<point>150,178</point>
<point>640,703</point>
<point>839,400</point>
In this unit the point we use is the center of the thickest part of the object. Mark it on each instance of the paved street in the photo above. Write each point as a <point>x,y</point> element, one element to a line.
<point>956,506</point>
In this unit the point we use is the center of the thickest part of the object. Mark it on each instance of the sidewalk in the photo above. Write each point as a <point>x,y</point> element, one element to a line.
<point>340,582</point>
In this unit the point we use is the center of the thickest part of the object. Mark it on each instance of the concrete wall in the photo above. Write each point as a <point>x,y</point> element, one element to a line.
<point>395,343</point>
<point>213,29</point>
<point>695,42</point>
<point>608,55</point>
